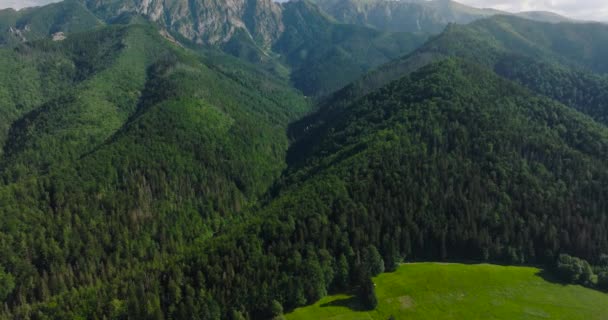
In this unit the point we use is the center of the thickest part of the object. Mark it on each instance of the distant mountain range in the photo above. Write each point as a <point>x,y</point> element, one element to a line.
<point>262,31</point>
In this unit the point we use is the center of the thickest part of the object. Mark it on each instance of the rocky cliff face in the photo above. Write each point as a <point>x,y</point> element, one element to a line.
<point>203,21</point>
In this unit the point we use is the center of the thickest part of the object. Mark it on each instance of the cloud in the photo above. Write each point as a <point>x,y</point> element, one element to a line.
<point>20,4</point>
<point>579,9</point>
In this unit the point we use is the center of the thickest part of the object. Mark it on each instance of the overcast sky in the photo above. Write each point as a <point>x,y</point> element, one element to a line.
<point>580,9</point>
<point>18,4</point>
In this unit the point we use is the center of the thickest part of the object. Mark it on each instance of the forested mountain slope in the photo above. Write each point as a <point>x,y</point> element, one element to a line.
<point>147,174</point>
<point>295,40</point>
<point>452,162</point>
<point>325,56</point>
<point>562,61</point>
<point>120,171</point>
<point>68,16</point>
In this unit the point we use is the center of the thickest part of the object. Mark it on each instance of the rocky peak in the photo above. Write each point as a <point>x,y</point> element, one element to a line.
<point>203,21</point>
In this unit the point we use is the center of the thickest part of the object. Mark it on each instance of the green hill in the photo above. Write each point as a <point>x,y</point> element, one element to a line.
<point>456,291</point>
<point>325,56</point>
<point>561,61</point>
<point>147,174</point>
<point>137,150</point>
<point>69,16</point>
<point>452,162</point>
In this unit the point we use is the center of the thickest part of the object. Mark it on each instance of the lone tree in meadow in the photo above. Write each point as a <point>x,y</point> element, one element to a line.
<point>367,294</point>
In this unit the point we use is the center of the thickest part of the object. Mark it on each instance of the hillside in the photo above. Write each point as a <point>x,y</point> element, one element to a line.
<point>208,159</point>
<point>325,56</point>
<point>65,17</point>
<point>140,153</point>
<point>293,40</point>
<point>452,162</point>
<point>561,61</point>
<point>456,291</point>
<point>416,15</point>
<point>403,16</point>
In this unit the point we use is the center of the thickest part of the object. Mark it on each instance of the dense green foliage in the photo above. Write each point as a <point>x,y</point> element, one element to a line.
<point>366,294</point>
<point>140,179</point>
<point>574,270</point>
<point>427,291</point>
<point>39,23</point>
<point>562,61</point>
<point>325,56</point>
<point>452,162</point>
<point>319,54</point>
<point>138,152</point>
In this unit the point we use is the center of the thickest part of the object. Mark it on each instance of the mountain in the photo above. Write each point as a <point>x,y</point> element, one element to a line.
<point>118,128</point>
<point>182,212</point>
<point>416,15</point>
<point>451,162</point>
<point>325,56</point>
<point>410,16</point>
<point>57,19</point>
<point>161,159</point>
<point>203,21</point>
<point>562,61</point>
<point>295,40</point>
<point>544,16</point>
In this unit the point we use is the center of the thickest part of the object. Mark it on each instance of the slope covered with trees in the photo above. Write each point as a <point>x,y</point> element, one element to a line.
<point>562,61</point>
<point>325,56</point>
<point>451,162</point>
<point>142,179</point>
<point>68,16</point>
<point>123,168</point>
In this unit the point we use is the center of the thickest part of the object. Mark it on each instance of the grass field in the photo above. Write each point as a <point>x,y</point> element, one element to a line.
<point>458,291</point>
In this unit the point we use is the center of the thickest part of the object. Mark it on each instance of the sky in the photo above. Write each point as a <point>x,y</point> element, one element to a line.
<point>18,4</point>
<point>578,9</point>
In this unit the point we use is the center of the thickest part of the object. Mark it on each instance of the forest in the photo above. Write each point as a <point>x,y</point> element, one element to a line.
<point>144,175</point>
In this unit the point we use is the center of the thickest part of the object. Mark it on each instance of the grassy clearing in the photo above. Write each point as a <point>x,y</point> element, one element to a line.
<point>458,291</point>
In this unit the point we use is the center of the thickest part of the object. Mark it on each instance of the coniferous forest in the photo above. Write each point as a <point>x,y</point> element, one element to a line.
<point>236,160</point>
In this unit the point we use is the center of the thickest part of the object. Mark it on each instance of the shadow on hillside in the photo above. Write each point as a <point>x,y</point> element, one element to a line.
<point>351,303</point>
<point>550,277</point>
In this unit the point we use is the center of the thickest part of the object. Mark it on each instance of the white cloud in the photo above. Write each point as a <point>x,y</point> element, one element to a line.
<point>20,4</point>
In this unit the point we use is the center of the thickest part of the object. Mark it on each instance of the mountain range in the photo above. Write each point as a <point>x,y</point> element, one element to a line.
<point>211,159</point>
<point>332,36</point>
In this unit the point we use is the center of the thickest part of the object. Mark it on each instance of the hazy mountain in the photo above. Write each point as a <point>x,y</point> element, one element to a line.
<point>415,15</point>
<point>325,56</point>
<point>564,60</point>
<point>411,16</point>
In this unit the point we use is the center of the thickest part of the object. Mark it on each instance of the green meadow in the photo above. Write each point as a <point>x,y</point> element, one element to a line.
<point>460,291</point>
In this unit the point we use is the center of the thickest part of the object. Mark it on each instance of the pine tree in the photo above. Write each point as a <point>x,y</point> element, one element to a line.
<point>367,294</point>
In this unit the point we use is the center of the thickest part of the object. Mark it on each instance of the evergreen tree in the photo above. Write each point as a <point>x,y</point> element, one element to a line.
<point>367,294</point>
